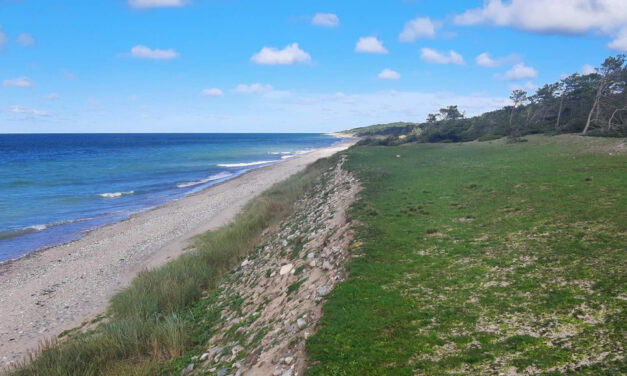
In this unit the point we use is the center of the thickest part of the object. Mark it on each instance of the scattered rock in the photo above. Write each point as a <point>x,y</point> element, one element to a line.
<point>273,317</point>
<point>187,370</point>
<point>285,269</point>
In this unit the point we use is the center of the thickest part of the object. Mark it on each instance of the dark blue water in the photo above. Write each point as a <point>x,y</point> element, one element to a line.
<point>53,188</point>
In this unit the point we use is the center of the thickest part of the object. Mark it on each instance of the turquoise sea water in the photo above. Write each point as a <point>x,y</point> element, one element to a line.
<point>53,188</point>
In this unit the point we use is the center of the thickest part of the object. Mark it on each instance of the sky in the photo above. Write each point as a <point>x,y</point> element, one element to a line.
<point>113,66</point>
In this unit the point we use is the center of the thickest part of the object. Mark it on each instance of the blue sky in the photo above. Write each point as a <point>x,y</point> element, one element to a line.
<point>274,66</point>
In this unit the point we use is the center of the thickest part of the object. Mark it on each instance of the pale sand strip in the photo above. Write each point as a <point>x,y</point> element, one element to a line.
<point>57,289</point>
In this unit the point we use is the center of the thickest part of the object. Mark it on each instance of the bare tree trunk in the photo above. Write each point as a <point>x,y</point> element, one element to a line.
<point>609,122</point>
<point>585,129</point>
<point>559,114</point>
<point>529,111</point>
<point>597,98</point>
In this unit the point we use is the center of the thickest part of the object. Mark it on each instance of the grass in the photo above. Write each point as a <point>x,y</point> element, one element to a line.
<point>482,258</point>
<point>165,312</point>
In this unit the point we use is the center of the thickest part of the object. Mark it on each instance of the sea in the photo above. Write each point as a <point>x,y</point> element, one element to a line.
<point>56,187</point>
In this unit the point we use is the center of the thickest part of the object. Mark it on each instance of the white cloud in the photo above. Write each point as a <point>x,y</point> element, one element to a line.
<point>143,52</point>
<point>416,29</point>
<point>52,96</point>
<point>290,55</point>
<point>388,74</point>
<point>253,88</point>
<point>370,45</point>
<point>587,69</point>
<point>26,39</point>
<point>18,82</point>
<point>28,111</point>
<point>554,16</point>
<point>144,4</point>
<point>347,110</point>
<point>519,71</point>
<point>432,56</point>
<point>485,60</point>
<point>620,43</point>
<point>325,19</point>
<point>213,92</point>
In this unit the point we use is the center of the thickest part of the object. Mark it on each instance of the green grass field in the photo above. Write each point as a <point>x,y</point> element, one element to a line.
<point>483,258</point>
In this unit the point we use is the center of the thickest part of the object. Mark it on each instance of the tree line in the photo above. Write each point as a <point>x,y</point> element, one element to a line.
<point>589,104</point>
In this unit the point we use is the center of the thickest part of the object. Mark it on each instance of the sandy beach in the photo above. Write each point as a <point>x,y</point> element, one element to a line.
<point>58,288</point>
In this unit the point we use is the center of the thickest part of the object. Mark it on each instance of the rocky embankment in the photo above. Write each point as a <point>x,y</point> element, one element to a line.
<point>273,301</point>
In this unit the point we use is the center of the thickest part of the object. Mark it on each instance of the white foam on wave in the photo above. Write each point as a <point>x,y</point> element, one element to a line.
<point>217,176</point>
<point>287,156</point>
<point>280,152</point>
<point>115,194</point>
<point>244,164</point>
<point>38,227</point>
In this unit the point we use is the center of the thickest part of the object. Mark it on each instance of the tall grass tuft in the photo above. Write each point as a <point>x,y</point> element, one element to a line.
<point>146,325</point>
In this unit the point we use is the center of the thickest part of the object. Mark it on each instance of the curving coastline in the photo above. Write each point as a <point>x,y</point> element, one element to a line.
<point>58,288</point>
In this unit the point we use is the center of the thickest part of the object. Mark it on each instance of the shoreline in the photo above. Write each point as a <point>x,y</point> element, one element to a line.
<point>57,288</point>
<point>344,138</point>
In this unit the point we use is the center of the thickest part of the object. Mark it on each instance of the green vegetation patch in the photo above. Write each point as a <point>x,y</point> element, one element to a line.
<point>519,265</point>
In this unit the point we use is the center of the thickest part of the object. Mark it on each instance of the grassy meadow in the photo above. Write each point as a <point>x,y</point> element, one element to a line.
<point>483,258</point>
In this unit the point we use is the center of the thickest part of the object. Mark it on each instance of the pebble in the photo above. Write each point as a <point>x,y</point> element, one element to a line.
<point>285,269</point>
<point>301,323</point>
<point>322,290</point>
